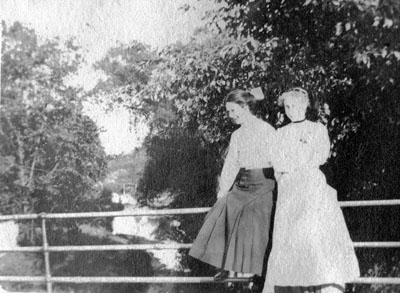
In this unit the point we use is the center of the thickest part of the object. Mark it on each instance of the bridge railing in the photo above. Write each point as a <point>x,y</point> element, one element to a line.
<point>45,248</point>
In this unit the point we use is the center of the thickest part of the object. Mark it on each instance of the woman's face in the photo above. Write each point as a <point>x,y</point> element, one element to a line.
<point>294,108</point>
<point>237,113</point>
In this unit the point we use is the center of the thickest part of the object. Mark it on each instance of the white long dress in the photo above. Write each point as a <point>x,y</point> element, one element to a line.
<point>311,243</point>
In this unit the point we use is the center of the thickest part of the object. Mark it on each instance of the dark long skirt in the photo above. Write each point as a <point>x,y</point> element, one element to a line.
<point>235,233</point>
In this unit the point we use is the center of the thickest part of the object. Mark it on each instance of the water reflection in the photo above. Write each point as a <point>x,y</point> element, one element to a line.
<point>144,227</point>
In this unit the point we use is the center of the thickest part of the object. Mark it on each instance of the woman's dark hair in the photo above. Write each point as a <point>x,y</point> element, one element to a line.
<point>243,98</point>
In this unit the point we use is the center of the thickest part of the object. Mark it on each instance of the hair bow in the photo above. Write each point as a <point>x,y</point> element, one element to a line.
<point>257,93</point>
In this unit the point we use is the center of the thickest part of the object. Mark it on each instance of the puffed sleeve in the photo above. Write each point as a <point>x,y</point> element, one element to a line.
<point>268,142</point>
<point>279,161</point>
<point>231,166</point>
<point>321,145</point>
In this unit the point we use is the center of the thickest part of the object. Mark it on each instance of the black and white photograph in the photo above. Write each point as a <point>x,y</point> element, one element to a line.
<point>200,146</point>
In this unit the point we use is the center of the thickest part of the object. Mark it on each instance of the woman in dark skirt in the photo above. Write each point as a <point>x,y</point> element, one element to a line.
<point>235,233</point>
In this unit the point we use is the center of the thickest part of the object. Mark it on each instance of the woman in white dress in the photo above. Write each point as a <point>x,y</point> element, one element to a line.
<point>234,236</point>
<point>311,247</point>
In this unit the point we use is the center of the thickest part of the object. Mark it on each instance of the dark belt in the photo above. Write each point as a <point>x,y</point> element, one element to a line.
<point>241,178</point>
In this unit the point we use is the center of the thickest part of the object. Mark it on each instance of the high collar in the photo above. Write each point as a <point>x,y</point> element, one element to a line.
<point>299,121</point>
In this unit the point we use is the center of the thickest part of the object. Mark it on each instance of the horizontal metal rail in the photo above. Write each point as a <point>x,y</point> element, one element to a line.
<point>377,280</point>
<point>157,246</point>
<point>151,280</point>
<point>367,203</point>
<point>382,244</point>
<point>134,213</point>
<point>152,246</point>
<point>168,212</point>
<point>161,280</point>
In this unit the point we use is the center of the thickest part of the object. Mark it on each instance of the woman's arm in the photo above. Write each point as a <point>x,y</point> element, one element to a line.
<point>279,156</point>
<point>321,146</point>
<point>269,142</point>
<point>230,169</point>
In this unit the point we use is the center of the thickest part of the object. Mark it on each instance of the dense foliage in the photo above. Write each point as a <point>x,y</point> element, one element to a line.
<point>50,154</point>
<point>346,53</point>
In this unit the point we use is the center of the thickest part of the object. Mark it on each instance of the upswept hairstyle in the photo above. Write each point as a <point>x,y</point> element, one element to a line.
<point>296,92</point>
<point>242,98</point>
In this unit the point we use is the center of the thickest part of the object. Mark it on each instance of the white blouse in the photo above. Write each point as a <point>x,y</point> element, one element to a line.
<point>250,147</point>
<point>300,145</point>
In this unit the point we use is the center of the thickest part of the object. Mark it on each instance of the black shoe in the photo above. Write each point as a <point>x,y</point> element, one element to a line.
<point>231,286</point>
<point>256,284</point>
<point>221,276</point>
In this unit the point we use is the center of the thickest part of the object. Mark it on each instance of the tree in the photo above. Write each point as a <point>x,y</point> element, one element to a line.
<point>50,155</point>
<point>126,71</point>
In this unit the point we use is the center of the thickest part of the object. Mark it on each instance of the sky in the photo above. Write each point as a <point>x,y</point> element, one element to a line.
<point>98,25</point>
